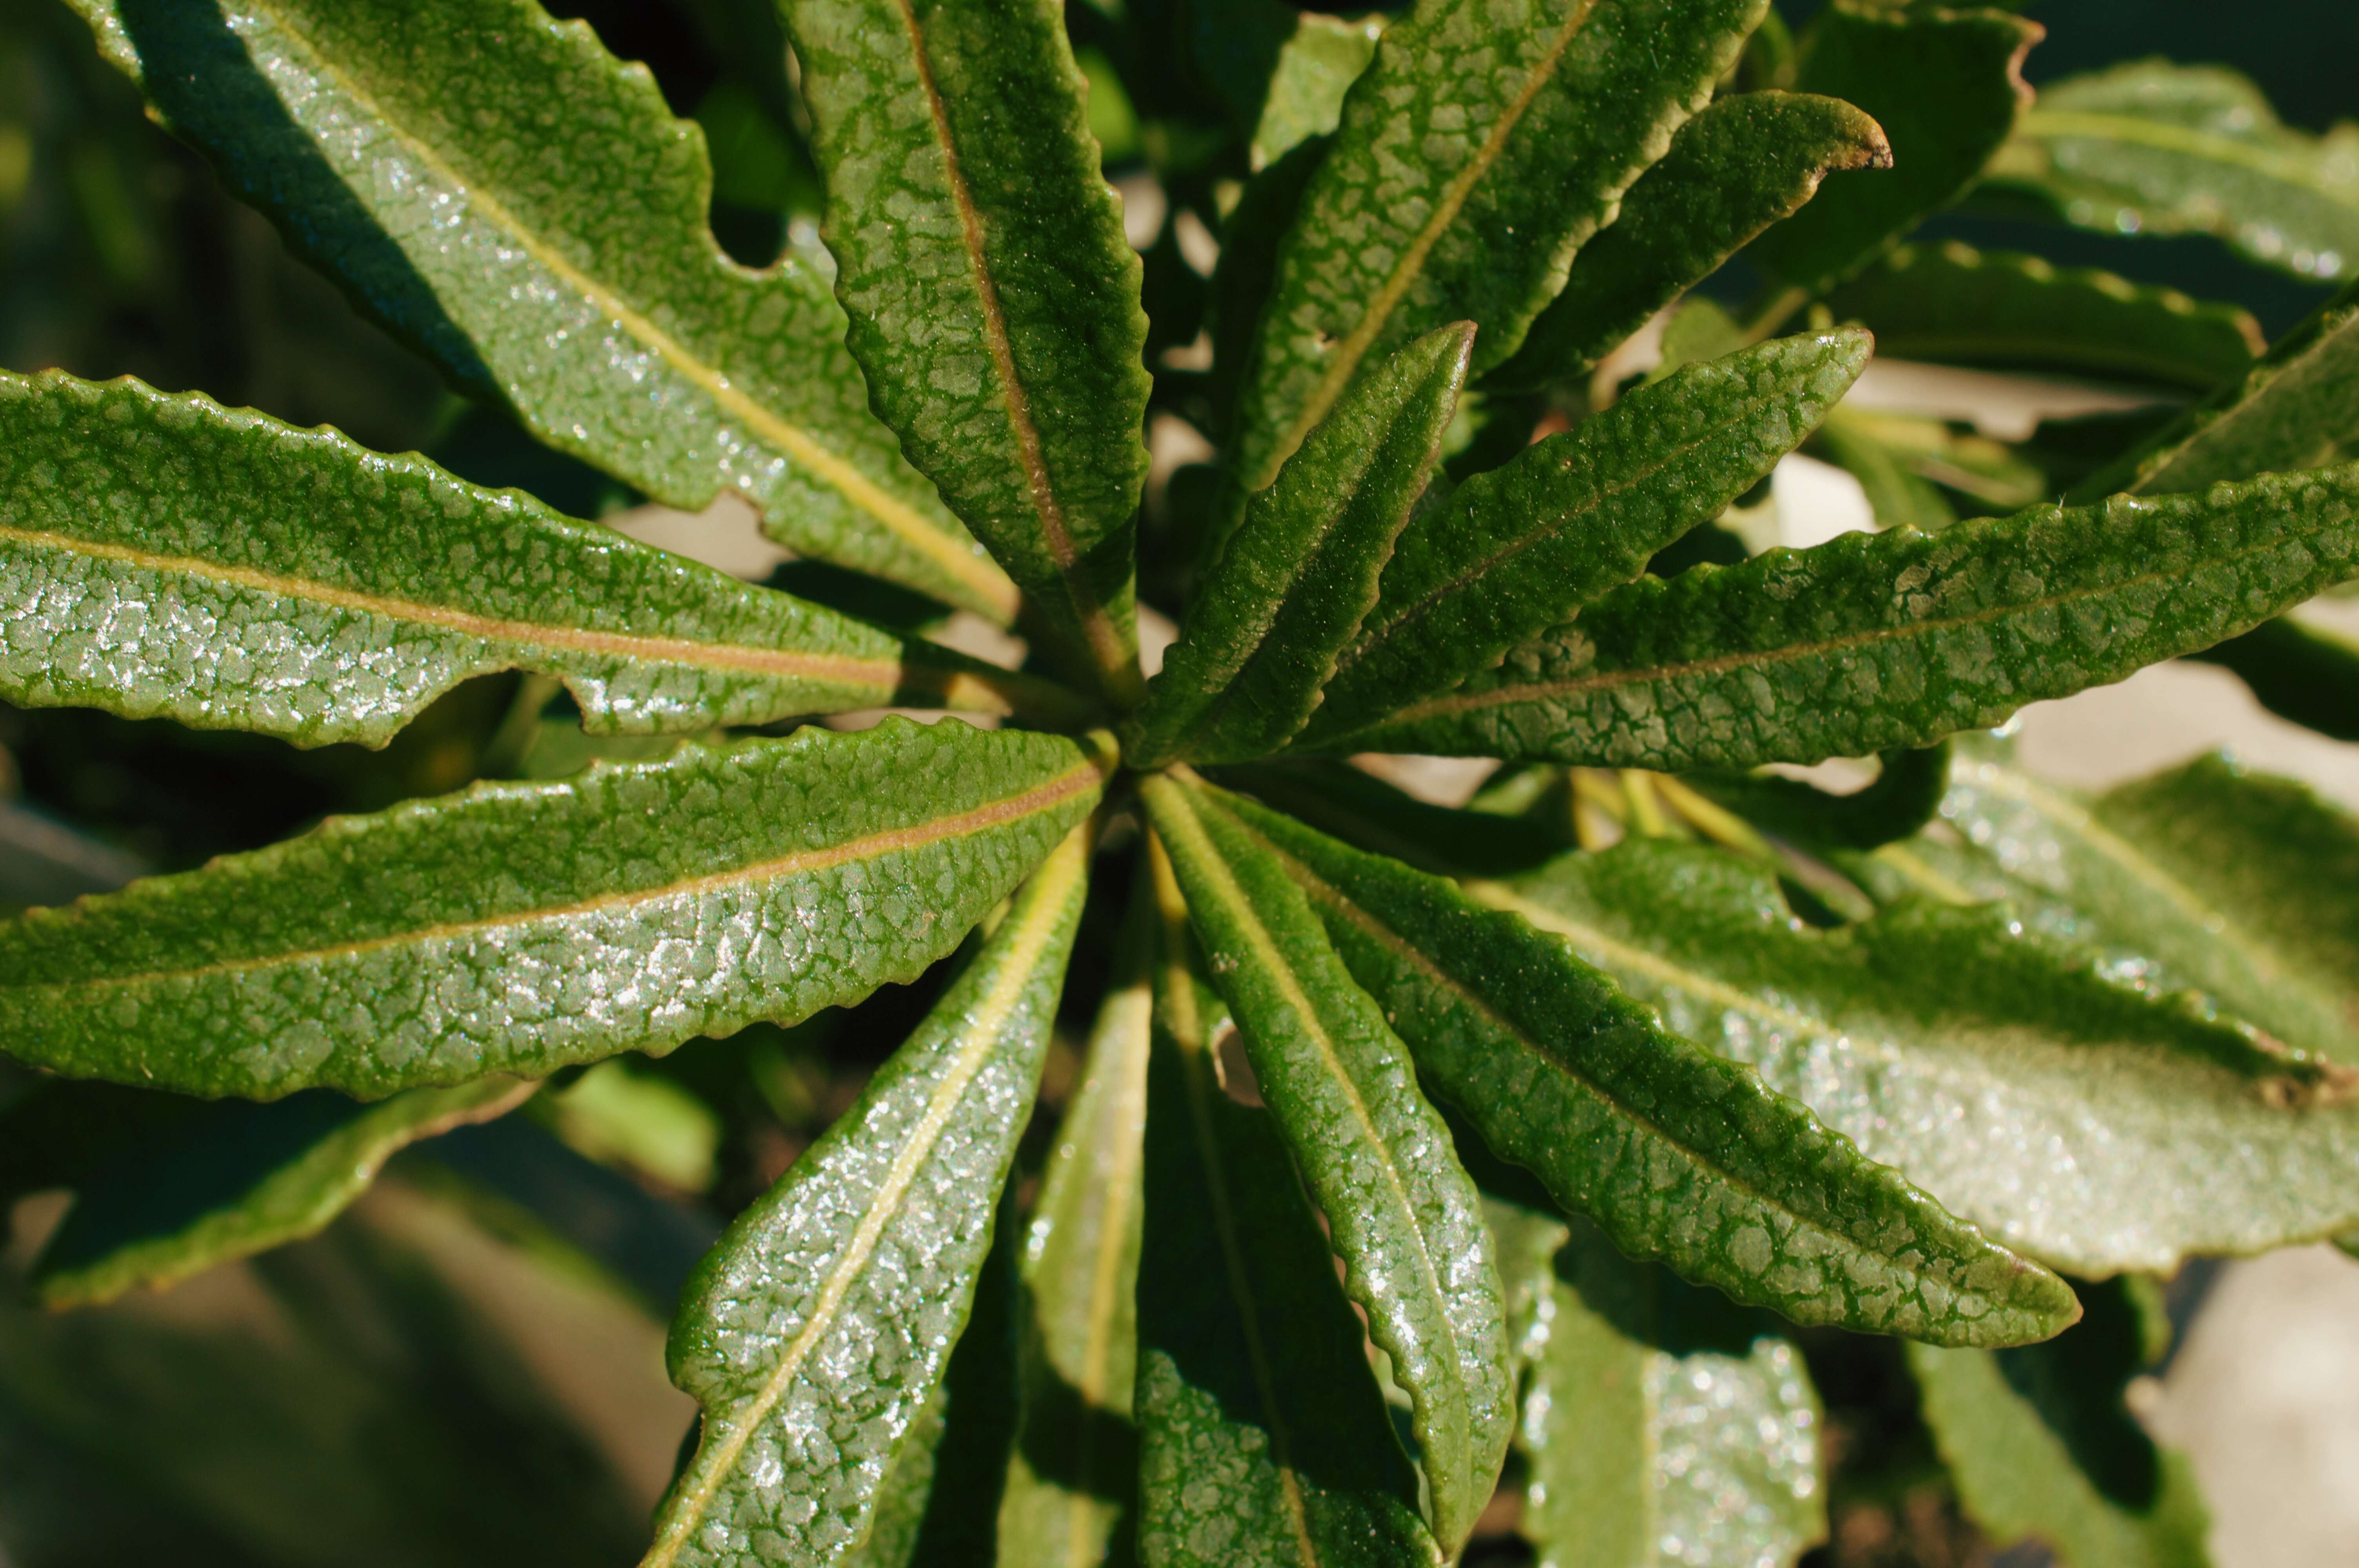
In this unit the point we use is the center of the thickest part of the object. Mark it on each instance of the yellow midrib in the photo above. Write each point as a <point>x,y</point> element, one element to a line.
<point>1086,777</point>
<point>1355,346</point>
<point>1051,889</point>
<point>980,577</point>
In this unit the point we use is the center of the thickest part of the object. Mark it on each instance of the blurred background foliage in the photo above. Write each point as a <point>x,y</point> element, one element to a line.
<point>466,1368</point>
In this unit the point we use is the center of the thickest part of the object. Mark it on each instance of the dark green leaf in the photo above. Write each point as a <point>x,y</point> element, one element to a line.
<point>1662,1424</point>
<point>1074,1472</point>
<point>1872,642</point>
<point>236,1179</point>
<point>1518,550</point>
<point>519,928</point>
<point>2157,148</point>
<point>163,555</point>
<point>1360,809</point>
<point>2080,1117</point>
<point>2042,1449</point>
<point>1478,153</point>
<point>1264,215</point>
<point>2298,408</point>
<point>1677,1153</point>
<point>521,205</point>
<point>994,301</point>
<point>816,1331</point>
<point>1377,1159</point>
<point>1265,626</point>
<point>1262,1440</point>
<point>1945,85</point>
<point>1954,305</point>
<point>1904,797</point>
<point>2305,672</point>
<point>1731,171</point>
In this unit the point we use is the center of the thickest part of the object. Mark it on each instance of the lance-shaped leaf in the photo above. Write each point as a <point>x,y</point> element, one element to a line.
<point>161,555</point>
<point>1262,1440</point>
<point>1677,1153</point>
<point>1264,629</point>
<point>234,1179</point>
<point>993,300</point>
<point>1737,168</point>
<point>521,205</point>
<point>939,1505</point>
<point>1954,305</point>
<point>2298,408</point>
<point>1406,1219</point>
<point>1946,85</point>
<point>1360,809</point>
<point>2042,1448</point>
<point>1663,1423</point>
<point>1477,154</point>
<point>1518,550</point>
<point>2237,884</point>
<point>1074,1472</point>
<point>1876,640</point>
<point>2075,1115</point>
<point>2157,148</point>
<point>2307,673</point>
<point>514,929</point>
<point>816,1330</point>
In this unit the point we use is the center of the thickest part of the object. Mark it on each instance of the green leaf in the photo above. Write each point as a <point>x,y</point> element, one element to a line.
<point>1736,168</point>
<point>521,206</point>
<point>1677,1153</point>
<point>2031,1089</point>
<point>1946,85</point>
<point>2298,408</point>
<point>1264,629</point>
<point>2157,148</point>
<point>1404,1217</point>
<point>2305,672</point>
<point>1660,1424</point>
<point>1518,550</point>
<point>1317,64</point>
<point>161,555</point>
<point>1876,640</point>
<point>1262,1440</point>
<point>514,929</point>
<point>2203,875</point>
<point>815,1332</point>
<point>1898,495</point>
<point>236,1179</point>
<point>2042,1448</point>
<point>1248,271</point>
<point>1074,1472</point>
<point>1362,810</point>
<point>1478,153</point>
<point>994,301</point>
<point>1906,792</point>
<point>939,1502</point>
<point>1951,303</point>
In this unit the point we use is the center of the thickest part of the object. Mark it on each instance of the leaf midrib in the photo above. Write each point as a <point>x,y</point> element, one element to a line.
<point>1355,347</point>
<point>2285,165</point>
<point>1085,776</point>
<point>980,577</point>
<point>1053,885</point>
<point>886,676</point>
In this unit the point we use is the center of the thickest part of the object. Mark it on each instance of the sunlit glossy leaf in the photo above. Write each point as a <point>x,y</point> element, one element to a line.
<point>2157,148</point>
<point>1262,1440</point>
<point>164,555</point>
<point>1954,305</point>
<point>816,1330</point>
<point>994,301</point>
<point>1377,1158</point>
<point>1876,640</point>
<point>1738,167</point>
<point>2042,1449</point>
<point>522,206</point>
<point>515,928</point>
<point>2076,1116</point>
<point>1946,85</point>
<point>1473,158</point>
<point>1265,625</point>
<point>1677,1154</point>
<point>1518,550</point>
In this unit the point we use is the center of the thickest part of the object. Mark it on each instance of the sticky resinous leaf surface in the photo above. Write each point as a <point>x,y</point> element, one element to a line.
<point>1391,1151</point>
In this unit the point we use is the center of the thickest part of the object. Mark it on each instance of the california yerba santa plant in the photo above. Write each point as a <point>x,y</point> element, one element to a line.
<point>1554,1137</point>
